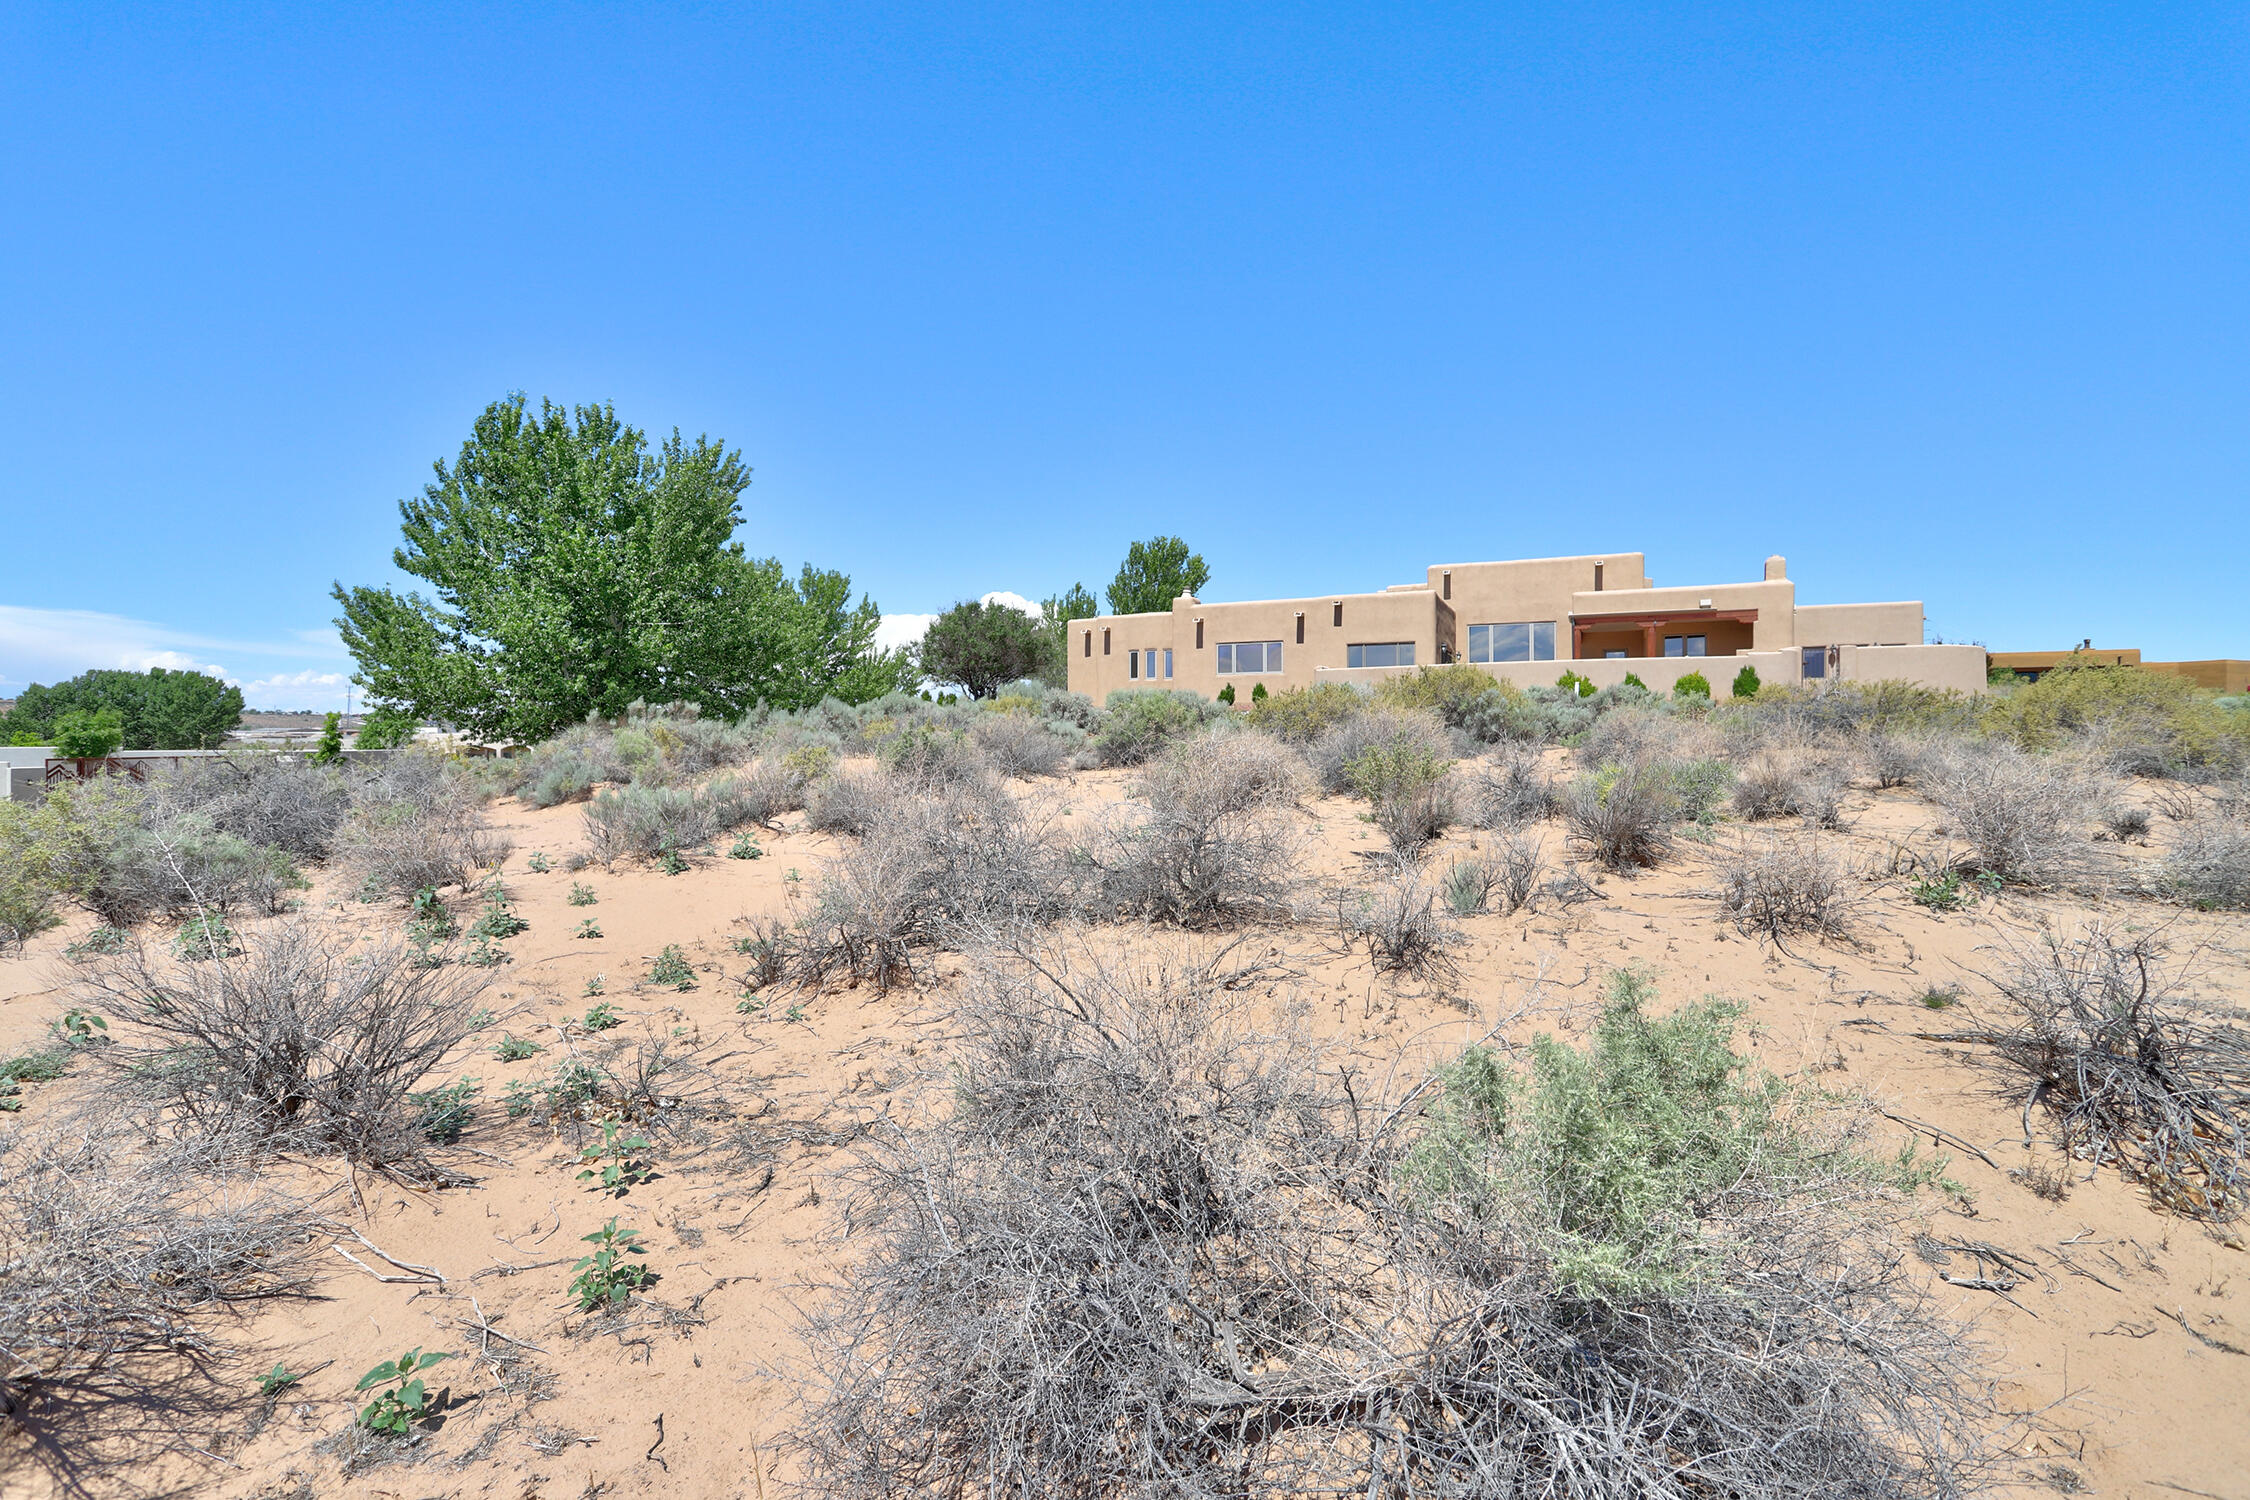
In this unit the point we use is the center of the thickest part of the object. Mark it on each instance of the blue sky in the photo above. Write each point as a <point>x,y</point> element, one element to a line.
<point>1949,302</point>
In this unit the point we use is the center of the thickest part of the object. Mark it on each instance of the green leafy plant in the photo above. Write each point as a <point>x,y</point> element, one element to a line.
<point>538,862</point>
<point>395,1410</point>
<point>276,1380</point>
<point>1692,685</point>
<point>447,1112</point>
<point>582,894</point>
<point>671,862</point>
<point>205,935</point>
<point>671,970</point>
<point>1938,998</point>
<point>745,847</point>
<point>750,1005</point>
<point>602,1017</point>
<point>608,1163</point>
<point>594,985</point>
<point>1746,683</point>
<point>588,929</point>
<point>1582,687</point>
<point>1258,693</point>
<point>331,747</point>
<point>513,1048</point>
<point>1947,892</point>
<point>498,919</point>
<point>386,728</point>
<point>102,940</point>
<point>80,1027</point>
<point>1226,695</point>
<point>794,1013</point>
<point>607,1277</point>
<point>483,954</point>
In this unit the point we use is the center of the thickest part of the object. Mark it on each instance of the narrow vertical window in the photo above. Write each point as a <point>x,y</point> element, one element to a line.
<point>1597,578</point>
<point>1300,627</point>
<point>1339,612</point>
<point>1089,643</point>
<point>1105,640</point>
<point>1167,661</point>
<point>1132,664</point>
<point>1448,583</point>
<point>1199,635</point>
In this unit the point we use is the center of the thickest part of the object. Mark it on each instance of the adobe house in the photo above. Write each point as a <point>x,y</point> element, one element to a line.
<point>1528,622</point>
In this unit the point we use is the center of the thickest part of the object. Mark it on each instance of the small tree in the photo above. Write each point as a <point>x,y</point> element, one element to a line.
<point>1258,693</point>
<point>1581,687</point>
<point>1226,695</point>
<point>86,734</point>
<point>331,747</point>
<point>1154,573</point>
<point>1692,685</point>
<point>983,647</point>
<point>1746,683</point>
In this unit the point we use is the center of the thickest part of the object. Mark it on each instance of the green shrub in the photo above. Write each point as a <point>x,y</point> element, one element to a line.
<point>1136,723</point>
<point>1405,784</point>
<point>1692,685</point>
<point>1302,715</point>
<point>1449,691</point>
<point>1226,695</point>
<point>89,734</point>
<point>1575,685</point>
<point>331,747</point>
<point>1633,679</point>
<point>1746,683</point>
<point>2150,723</point>
<point>1620,1151</point>
<point>1258,694</point>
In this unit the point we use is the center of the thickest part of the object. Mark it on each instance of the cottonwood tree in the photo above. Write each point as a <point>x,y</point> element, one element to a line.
<point>575,570</point>
<point>1154,573</point>
<point>1055,614</point>
<point>984,647</point>
<point>160,709</point>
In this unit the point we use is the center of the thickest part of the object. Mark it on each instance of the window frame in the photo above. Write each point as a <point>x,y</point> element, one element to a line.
<point>1230,659</point>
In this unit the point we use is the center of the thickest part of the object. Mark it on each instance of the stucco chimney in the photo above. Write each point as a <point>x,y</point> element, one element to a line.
<point>1777,568</point>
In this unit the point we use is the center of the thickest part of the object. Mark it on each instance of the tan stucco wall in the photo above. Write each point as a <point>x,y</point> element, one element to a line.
<point>1960,668</point>
<point>1893,624</point>
<point>1394,615</point>
<point>1533,589</point>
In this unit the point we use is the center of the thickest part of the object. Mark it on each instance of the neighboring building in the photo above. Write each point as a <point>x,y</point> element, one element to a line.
<point>1528,622</point>
<point>2220,675</point>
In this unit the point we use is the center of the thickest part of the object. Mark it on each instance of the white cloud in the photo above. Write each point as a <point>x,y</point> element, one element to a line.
<point>901,630</point>
<point>1013,601</point>
<point>49,645</point>
<point>307,689</point>
<point>171,661</point>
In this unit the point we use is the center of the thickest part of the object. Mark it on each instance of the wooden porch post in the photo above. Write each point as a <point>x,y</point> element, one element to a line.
<point>1648,640</point>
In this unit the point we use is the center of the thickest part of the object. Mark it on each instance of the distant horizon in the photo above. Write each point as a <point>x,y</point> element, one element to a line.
<point>1940,304</point>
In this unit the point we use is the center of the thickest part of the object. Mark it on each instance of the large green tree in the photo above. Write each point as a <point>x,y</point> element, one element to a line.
<point>160,709</point>
<point>1154,573</point>
<point>984,647</point>
<point>574,570</point>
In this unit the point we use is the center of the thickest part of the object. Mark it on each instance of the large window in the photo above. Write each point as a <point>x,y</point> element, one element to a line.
<point>1686,645</point>
<point>1380,654</point>
<point>1529,640</point>
<point>1154,658</point>
<point>1237,657</point>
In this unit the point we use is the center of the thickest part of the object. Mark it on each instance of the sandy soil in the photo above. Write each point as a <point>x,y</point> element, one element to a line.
<point>2129,1339</point>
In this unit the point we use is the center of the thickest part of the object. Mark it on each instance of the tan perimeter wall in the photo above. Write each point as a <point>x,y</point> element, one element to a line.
<point>1959,668</point>
<point>1894,624</point>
